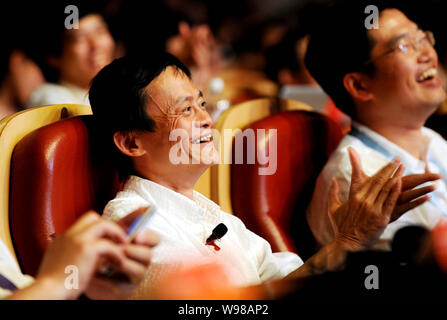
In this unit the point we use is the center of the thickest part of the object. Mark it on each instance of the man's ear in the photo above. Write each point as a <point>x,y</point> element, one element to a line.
<point>128,143</point>
<point>358,86</point>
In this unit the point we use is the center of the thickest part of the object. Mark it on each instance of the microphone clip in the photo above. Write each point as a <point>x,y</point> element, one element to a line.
<point>218,232</point>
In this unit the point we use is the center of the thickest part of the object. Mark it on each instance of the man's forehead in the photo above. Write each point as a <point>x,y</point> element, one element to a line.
<point>170,88</point>
<point>393,23</point>
<point>170,81</point>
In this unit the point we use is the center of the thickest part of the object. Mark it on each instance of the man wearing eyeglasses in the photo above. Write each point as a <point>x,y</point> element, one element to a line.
<point>386,80</point>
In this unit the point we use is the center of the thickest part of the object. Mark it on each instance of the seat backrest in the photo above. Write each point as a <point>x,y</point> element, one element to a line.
<point>12,130</point>
<point>273,206</point>
<point>239,117</point>
<point>57,173</point>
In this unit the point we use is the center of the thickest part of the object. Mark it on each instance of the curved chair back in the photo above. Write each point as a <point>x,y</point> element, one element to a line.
<point>12,130</point>
<point>274,205</point>
<point>58,172</point>
<point>233,119</point>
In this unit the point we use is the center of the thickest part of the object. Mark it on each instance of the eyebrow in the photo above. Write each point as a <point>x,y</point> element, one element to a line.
<point>396,39</point>
<point>189,98</point>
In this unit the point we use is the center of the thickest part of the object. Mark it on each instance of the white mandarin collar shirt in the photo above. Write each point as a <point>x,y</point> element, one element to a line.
<point>185,224</point>
<point>373,158</point>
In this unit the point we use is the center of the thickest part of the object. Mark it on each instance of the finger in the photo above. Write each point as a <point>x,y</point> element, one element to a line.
<point>147,238</point>
<point>107,250</point>
<point>127,221</point>
<point>403,208</point>
<point>132,269</point>
<point>104,229</point>
<point>86,220</point>
<point>388,188</point>
<point>375,184</point>
<point>333,199</point>
<point>391,200</point>
<point>141,254</point>
<point>410,195</point>
<point>413,180</point>
<point>357,174</point>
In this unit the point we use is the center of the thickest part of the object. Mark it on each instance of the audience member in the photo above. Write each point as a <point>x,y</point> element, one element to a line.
<point>285,61</point>
<point>19,74</point>
<point>91,242</point>
<point>70,58</point>
<point>386,80</point>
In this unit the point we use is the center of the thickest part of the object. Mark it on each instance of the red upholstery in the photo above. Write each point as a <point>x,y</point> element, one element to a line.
<point>273,206</point>
<point>54,179</point>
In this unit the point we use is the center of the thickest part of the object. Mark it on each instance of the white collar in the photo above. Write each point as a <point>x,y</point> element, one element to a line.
<point>174,203</point>
<point>394,148</point>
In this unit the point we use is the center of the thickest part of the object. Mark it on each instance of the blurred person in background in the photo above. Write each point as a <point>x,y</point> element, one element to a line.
<point>221,81</point>
<point>285,61</point>
<point>197,48</point>
<point>70,58</point>
<point>285,65</point>
<point>207,37</point>
<point>19,74</point>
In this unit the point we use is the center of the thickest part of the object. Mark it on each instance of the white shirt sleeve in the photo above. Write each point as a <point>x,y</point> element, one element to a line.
<point>10,270</point>
<point>269,265</point>
<point>124,204</point>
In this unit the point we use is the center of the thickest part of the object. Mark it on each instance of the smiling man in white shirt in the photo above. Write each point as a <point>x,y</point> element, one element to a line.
<point>386,80</point>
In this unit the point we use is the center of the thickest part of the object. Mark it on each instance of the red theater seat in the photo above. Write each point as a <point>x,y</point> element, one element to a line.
<point>57,173</point>
<point>273,206</point>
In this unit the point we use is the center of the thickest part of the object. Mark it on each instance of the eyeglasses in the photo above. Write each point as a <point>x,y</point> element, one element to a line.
<point>409,45</point>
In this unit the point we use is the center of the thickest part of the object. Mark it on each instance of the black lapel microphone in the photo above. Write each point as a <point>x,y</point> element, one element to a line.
<point>218,232</point>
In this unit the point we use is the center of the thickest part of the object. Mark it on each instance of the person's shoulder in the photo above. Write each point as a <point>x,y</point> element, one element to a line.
<point>438,146</point>
<point>371,159</point>
<point>125,202</point>
<point>339,159</point>
<point>49,93</point>
<point>434,136</point>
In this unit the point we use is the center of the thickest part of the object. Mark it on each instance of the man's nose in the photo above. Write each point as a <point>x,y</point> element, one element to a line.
<point>204,119</point>
<point>427,54</point>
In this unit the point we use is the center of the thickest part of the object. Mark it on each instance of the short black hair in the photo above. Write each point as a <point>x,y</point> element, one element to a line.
<point>339,46</point>
<point>118,98</point>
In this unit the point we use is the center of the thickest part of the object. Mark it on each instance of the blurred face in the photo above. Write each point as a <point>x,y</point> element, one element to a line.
<point>183,132</point>
<point>85,51</point>
<point>405,79</point>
